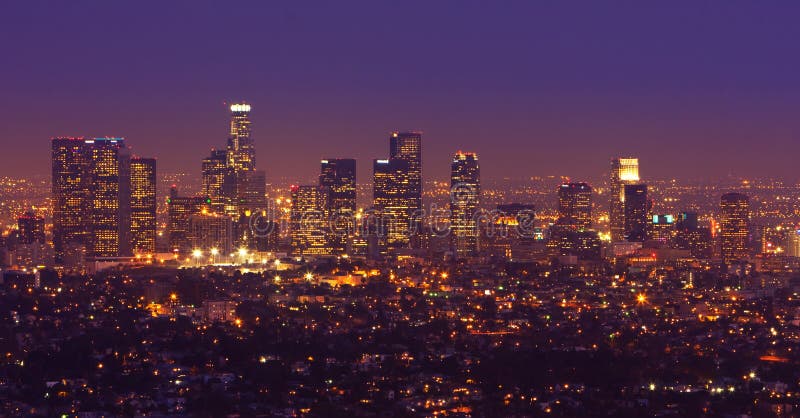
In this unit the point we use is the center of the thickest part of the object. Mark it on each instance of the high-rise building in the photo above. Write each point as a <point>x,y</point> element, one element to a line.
<point>143,205</point>
<point>390,201</point>
<point>734,227</point>
<point>407,146</point>
<point>636,212</point>
<point>180,208</point>
<point>397,191</point>
<point>623,171</point>
<point>338,177</point>
<point>70,189</point>
<point>309,229</point>
<point>31,228</point>
<point>575,206</point>
<point>108,199</point>
<point>465,193</point>
<point>91,194</point>
<point>215,170</point>
<point>241,150</point>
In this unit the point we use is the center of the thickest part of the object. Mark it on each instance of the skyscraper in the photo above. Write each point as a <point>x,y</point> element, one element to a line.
<point>465,192</point>
<point>407,146</point>
<point>575,206</point>
<point>241,149</point>
<point>397,190</point>
<point>338,177</point>
<point>70,189</point>
<point>390,200</point>
<point>91,193</point>
<point>214,175</point>
<point>143,205</point>
<point>106,197</point>
<point>623,171</point>
<point>636,212</point>
<point>734,226</point>
<point>309,232</point>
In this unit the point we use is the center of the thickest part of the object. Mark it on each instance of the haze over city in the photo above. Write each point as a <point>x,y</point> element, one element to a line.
<point>694,90</point>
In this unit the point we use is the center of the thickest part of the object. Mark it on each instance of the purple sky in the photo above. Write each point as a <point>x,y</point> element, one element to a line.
<point>536,88</point>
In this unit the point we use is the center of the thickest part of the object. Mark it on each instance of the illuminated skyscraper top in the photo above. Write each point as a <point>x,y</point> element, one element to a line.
<point>628,169</point>
<point>241,149</point>
<point>623,171</point>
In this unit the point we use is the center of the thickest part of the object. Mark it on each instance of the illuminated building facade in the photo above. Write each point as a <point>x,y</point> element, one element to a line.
<point>623,171</point>
<point>734,227</point>
<point>575,206</point>
<point>662,228</point>
<point>309,229</point>
<point>390,200</point>
<point>636,212</point>
<point>465,193</point>
<point>70,190</point>
<point>338,177</point>
<point>214,176</point>
<point>241,152</point>
<point>793,243</point>
<point>143,205</point>
<point>180,208</point>
<point>108,203</point>
<point>91,196</point>
<point>407,147</point>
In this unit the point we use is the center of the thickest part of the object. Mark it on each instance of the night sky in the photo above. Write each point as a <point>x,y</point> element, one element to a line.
<point>536,88</point>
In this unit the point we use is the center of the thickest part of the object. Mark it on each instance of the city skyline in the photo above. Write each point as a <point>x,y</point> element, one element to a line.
<point>417,209</point>
<point>686,99</point>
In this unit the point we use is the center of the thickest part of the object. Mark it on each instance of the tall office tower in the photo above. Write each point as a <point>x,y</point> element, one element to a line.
<point>31,228</point>
<point>390,200</point>
<point>241,150</point>
<point>91,193</point>
<point>407,146</point>
<point>465,194</point>
<point>109,202</point>
<point>575,206</point>
<point>214,176</point>
<point>734,226</point>
<point>338,177</point>
<point>180,208</point>
<point>309,220</point>
<point>251,189</point>
<point>623,171</point>
<point>143,205</point>
<point>636,212</point>
<point>70,189</point>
